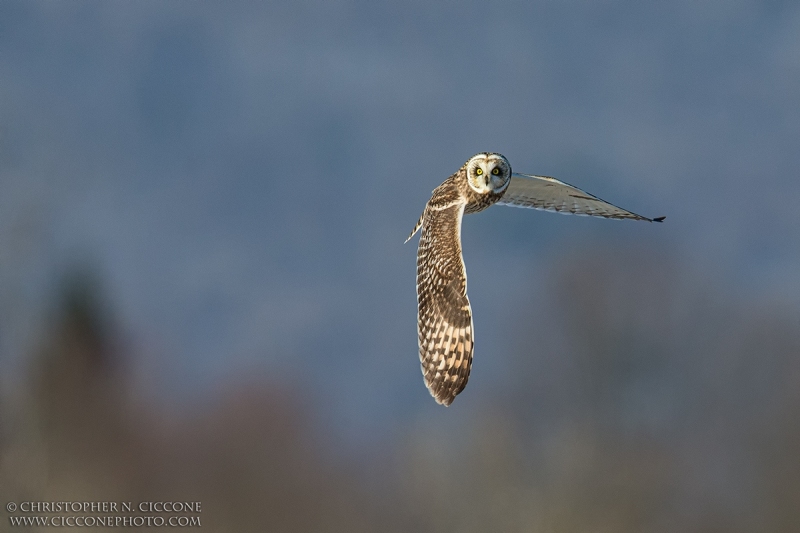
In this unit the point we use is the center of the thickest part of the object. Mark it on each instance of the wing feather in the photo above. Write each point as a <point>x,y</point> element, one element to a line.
<point>444,320</point>
<point>544,192</point>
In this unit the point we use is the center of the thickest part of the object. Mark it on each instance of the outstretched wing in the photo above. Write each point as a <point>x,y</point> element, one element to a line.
<point>444,322</point>
<point>543,192</point>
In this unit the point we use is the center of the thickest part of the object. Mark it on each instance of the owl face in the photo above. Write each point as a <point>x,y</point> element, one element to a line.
<point>488,173</point>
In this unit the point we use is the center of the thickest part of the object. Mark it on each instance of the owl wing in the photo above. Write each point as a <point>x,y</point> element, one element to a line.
<point>543,192</point>
<point>444,320</point>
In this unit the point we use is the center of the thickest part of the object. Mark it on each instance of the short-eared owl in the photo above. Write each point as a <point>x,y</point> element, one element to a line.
<point>444,320</point>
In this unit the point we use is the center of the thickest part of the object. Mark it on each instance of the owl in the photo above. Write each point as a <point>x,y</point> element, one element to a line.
<point>444,317</point>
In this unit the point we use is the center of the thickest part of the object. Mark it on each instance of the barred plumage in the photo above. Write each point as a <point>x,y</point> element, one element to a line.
<point>444,320</point>
<point>445,317</point>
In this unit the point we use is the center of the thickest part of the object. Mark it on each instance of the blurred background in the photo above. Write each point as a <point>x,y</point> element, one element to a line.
<point>205,296</point>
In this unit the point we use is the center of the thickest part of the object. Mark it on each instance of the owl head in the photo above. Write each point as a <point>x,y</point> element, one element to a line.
<point>488,172</point>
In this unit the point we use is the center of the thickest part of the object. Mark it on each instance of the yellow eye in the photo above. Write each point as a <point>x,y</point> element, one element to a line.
<point>495,171</point>
<point>479,172</point>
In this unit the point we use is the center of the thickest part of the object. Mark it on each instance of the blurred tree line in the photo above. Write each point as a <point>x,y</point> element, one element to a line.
<point>643,397</point>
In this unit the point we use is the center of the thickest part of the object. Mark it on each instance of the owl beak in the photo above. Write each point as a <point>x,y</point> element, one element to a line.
<point>497,182</point>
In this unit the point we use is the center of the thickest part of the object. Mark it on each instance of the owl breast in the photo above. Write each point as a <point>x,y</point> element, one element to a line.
<point>479,202</point>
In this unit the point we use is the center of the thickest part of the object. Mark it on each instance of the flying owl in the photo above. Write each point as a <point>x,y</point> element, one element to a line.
<point>444,319</point>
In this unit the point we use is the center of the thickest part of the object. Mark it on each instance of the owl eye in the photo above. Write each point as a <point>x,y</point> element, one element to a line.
<point>479,172</point>
<point>496,171</point>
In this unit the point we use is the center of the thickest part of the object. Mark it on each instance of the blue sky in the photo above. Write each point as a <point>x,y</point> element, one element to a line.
<point>241,178</point>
